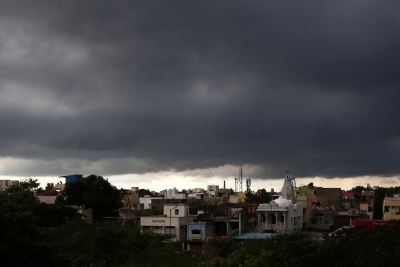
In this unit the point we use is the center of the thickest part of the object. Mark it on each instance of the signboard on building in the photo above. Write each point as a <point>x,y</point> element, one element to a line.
<point>372,223</point>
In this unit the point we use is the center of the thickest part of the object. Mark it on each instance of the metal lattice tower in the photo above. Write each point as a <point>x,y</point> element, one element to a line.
<point>248,184</point>
<point>238,182</point>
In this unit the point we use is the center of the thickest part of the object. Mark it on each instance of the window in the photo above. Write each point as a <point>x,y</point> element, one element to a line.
<point>170,230</point>
<point>196,235</point>
<point>176,212</point>
<point>146,229</point>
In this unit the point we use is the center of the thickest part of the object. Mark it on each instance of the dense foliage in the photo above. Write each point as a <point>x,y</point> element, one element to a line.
<point>21,214</point>
<point>359,246</point>
<point>257,198</point>
<point>76,243</point>
<point>95,193</point>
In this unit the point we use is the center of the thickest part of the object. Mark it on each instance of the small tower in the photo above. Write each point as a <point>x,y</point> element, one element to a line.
<point>288,189</point>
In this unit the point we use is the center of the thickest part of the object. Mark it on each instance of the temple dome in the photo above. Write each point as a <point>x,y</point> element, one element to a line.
<point>283,202</point>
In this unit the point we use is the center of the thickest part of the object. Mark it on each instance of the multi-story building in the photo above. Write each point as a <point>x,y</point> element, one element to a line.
<point>239,197</point>
<point>213,190</point>
<point>129,197</point>
<point>49,194</point>
<point>221,196</point>
<point>282,214</point>
<point>198,196</point>
<point>327,197</point>
<point>147,202</point>
<point>357,204</point>
<point>391,208</point>
<point>307,209</point>
<point>197,232</point>
<point>174,221</point>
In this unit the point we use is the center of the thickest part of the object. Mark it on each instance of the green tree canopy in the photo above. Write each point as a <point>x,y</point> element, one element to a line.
<point>94,192</point>
<point>145,192</point>
<point>257,198</point>
<point>20,194</point>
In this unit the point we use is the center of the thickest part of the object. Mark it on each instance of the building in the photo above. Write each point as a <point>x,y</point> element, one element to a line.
<point>174,221</point>
<point>4,184</point>
<point>282,214</point>
<point>72,178</point>
<point>239,197</point>
<point>391,208</point>
<point>307,209</point>
<point>147,201</point>
<point>197,233</point>
<point>157,204</point>
<point>373,223</point>
<point>323,220</point>
<point>87,214</point>
<point>347,195</point>
<point>233,218</point>
<point>198,196</point>
<point>129,197</point>
<point>358,204</point>
<point>221,196</point>
<point>326,198</point>
<point>213,190</point>
<point>49,194</point>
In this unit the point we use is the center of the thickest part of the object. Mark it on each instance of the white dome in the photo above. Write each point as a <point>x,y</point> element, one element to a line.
<point>283,202</point>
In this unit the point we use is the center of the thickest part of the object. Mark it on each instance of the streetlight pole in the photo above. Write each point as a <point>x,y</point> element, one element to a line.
<point>170,218</point>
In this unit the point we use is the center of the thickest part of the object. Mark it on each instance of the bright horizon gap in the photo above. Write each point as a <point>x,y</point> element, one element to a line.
<point>168,180</point>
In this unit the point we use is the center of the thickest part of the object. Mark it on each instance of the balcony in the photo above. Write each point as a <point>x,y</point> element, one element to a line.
<point>269,226</point>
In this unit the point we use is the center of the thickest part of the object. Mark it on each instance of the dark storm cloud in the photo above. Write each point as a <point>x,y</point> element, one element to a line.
<point>306,86</point>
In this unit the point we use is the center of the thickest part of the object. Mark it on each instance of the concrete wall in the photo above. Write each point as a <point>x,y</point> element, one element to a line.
<point>391,208</point>
<point>206,229</point>
<point>147,202</point>
<point>239,198</point>
<point>176,210</point>
<point>4,184</point>
<point>307,209</point>
<point>328,196</point>
<point>163,224</point>
<point>129,198</point>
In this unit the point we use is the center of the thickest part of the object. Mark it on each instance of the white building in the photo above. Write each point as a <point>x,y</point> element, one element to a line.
<point>4,184</point>
<point>212,190</point>
<point>203,197</point>
<point>174,221</point>
<point>146,201</point>
<point>171,193</point>
<point>282,214</point>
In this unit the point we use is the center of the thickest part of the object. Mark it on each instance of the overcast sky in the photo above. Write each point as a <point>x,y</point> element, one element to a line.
<point>165,91</point>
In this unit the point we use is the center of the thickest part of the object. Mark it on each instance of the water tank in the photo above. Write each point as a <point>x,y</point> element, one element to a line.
<point>272,190</point>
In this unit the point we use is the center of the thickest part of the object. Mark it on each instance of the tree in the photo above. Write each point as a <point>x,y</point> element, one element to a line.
<point>258,198</point>
<point>358,189</point>
<point>380,194</point>
<point>145,192</point>
<point>20,194</point>
<point>94,192</point>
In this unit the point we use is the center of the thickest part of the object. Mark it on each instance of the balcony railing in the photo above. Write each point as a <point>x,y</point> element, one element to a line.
<point>269,226</point>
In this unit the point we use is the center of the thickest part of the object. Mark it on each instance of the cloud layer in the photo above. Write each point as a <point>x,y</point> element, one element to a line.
<point>118,87</point>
